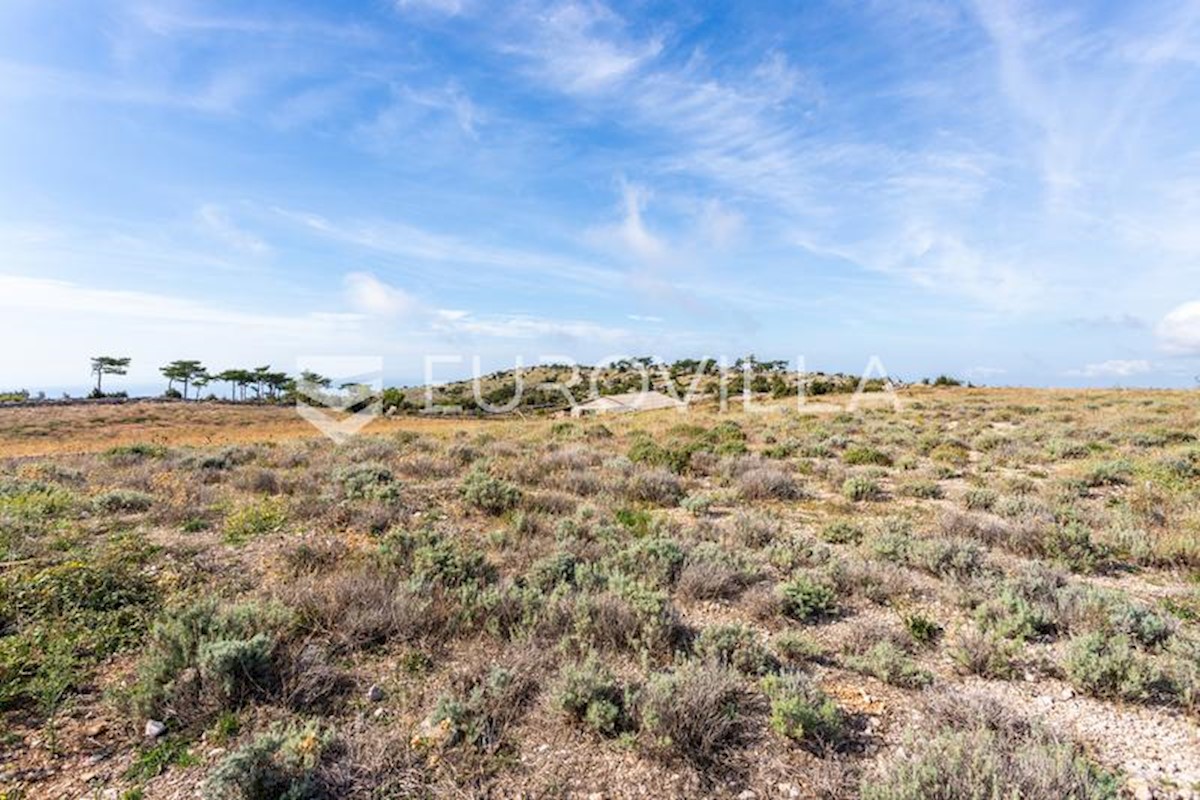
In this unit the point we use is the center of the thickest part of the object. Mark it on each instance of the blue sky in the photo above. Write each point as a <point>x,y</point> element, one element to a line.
<point>1002,191</point>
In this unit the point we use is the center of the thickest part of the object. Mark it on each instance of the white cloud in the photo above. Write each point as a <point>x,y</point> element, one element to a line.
<point>1115,368</point>
<point>1179,330</point>
<point>370,295</point>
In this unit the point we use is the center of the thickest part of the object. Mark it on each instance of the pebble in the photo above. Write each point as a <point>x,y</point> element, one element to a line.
<point>154,729</point>
<point>747,795</point>
<point>375,693</point>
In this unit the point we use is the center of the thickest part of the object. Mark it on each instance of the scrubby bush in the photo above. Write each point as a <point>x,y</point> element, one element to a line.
<point>658,486</point>
<point>796,647</point>
<point>890,664</point>
<point>859,488</point>
<point>1107,665</point>
<point>368,482</point>
<point>711,573</point>
<point>205,657</point>
<point>278,764</point>
<point>802,712</point>
<point>805,597</point>
<point>922,629</point>
<point>700,713</point>
<point>841,532</point>
<point>980,653</point>
<point>589,694</point>
<point>479,707</point>
<point>655,560</point>
<point>255,519</point>
<point>736,646</point>
<point>980,499</point>
<point>967,747</point>
<point>488,494</point>
<point>122,501</point>
<point>861,455</point>
<point>768,483</point>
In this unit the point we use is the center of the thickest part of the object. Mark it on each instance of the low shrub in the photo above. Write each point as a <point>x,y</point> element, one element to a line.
<point>967,747</point>
<point>980,653</point>
<point>862,455</point>
<point>658,486</point>
<point>980,499</point>
<point>278,764</point>
<point>841,532</point>
<point>805,597</point>
<point>859,489</point>
<point>255,519</point>
<point>700,713</point>
<point>480,706</point>
<point>1107,665</point>
<point>368,482</point>
<point>204,658</point>
<point>122,501</point>
<point>890,664</point>
<point>489,494</point>
<point>802,712</point>
<point>736,646</point>
<point>589,694</point>
<point>796,647</point>
<point>768,483</point>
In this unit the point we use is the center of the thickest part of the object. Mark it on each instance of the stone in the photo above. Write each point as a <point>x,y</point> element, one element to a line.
<point>154,729</point>
<point>375,694</point>
<point>748,794</point>
<point>1066,694</point>
<point>1140,789</point>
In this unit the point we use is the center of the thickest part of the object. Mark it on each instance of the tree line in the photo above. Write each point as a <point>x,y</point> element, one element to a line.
<point>258,383</point>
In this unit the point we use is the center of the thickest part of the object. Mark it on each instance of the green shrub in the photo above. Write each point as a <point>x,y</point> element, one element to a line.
<point>368,482</point>
<point>1010,616</point>
<point>922,629</point>
<point>736,646</point>
<point>841,532</point>
<point>627,615</point>
<point>804,597</point>
<point>1107,665</point>
<point>890,664</point>
<point>478,708</point>
<point>925,490</point>
<point>796,647</point>
<point>980,499</point>
<point>802,712</point>
<point>279,765</point>
<point>861,455</point>
<point>589,694</point>
<point>981,653</point>
<point>860,488</point>
<point>450,563</point>
<point>61,621</point>
<point>655,560</point>
<point>255,519</point>
<point>122,500</point>
<point>490,495</point>
<point>1073,545</point>
<point>202,656</point>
